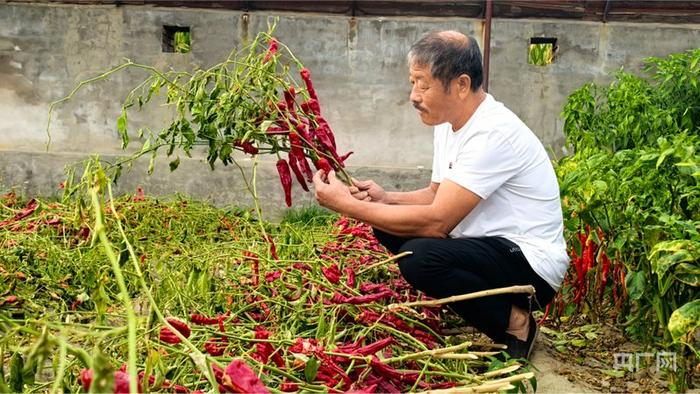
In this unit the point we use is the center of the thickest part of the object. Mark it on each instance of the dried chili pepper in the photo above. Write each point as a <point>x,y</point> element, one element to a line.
<point>286,180</point>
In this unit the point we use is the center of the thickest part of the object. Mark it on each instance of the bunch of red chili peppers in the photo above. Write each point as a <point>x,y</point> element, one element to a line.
<point>592,269</point>
<point>308,134</point>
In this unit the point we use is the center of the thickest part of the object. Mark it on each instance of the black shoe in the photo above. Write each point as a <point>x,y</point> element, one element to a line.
<point>522,349</point>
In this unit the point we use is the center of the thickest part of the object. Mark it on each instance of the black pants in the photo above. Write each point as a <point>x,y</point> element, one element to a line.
<point>453,266</point>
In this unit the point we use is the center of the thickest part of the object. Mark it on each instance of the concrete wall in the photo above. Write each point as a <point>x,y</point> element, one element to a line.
<point>358,66</point>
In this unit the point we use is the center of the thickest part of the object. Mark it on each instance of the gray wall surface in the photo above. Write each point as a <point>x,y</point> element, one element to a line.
<point>357,64</point>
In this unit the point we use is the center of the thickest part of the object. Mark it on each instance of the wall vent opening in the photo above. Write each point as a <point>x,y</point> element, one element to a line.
<point>176,39</point>
<point>541,51</point>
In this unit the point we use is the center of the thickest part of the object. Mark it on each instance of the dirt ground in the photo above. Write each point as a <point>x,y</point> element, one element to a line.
<point>583,360</point>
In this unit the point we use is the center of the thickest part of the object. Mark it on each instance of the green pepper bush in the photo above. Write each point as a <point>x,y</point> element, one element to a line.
<point>632,205</point>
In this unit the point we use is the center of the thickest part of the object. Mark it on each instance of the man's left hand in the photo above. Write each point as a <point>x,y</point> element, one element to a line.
<point>331,192</point>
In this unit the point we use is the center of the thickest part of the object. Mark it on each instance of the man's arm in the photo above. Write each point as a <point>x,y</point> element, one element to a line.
<point>417,197</point>
<point>451,203</point>
<point>370,191</point>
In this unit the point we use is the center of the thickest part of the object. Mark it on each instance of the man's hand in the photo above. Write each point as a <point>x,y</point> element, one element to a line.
<point>330,191</point>
<point>367,191</point>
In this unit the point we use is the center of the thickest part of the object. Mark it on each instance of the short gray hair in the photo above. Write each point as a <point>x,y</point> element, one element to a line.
<point>448,58</point>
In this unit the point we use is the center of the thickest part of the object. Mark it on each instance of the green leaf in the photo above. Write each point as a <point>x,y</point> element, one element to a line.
<point>684,320</point>
<point>591,335</point>
<point>688,273</point>
<point>121,128</point>
<point>663,156</point>
<point>16,380</point>
<point>151,164</point>
<point>174,164</point>
<point>146,146</point>
<point>579,342</point>
<point>265,125</point>
<point>600,186</point>
<point>635,283</point>
<point>665,255</point>
<point>311,369</point>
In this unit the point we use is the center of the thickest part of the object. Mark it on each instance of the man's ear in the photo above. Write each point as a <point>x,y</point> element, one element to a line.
<point>464,83</point>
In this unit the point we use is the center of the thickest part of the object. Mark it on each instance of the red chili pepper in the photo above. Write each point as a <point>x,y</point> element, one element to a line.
<point>286,180</point>
<point>322,164</point>
<point>216,346</point>
<point>301,267</point>
<point>31,206</point>
<point>350,273</point>
<point>391,373</point>
<point>306,76</point>
<point>604,272</point>
<point>85,378</point>
<point>247,147</point>
<point>305,168</point>
<point>168,336</point>
<point>264,350</point>
<point>255,260</point>
<point>289,387</point>
<point>203,320</point>
<point>239,378</point>
<point>272,276</point>
<point>289,96</point>
<point>359,300</point>
<point>273,248</point>
<point>328,133</point>
<point>375,347</point>
<point>332,273</point>
<point>271,50</point>
<point>294,165</point>
<point>368,287</point>
<point>274,130</point>
<point>345,156</point>
<point>589,254</point>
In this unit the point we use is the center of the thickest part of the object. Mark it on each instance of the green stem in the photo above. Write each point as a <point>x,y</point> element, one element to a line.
<point>58,379</point>
<point>198,357</point>
<point>130,314</point>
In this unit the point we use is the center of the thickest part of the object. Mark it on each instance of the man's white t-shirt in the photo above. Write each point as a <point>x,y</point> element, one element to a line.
<point>497,157</point>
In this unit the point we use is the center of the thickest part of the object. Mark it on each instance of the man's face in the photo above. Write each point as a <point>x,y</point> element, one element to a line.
<point>429,97</point>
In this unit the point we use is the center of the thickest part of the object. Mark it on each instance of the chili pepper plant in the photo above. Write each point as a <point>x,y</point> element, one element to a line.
<point>251,103</point>
<point>630,198</point>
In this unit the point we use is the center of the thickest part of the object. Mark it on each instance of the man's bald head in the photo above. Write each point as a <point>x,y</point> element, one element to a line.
<point>448,54</point>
